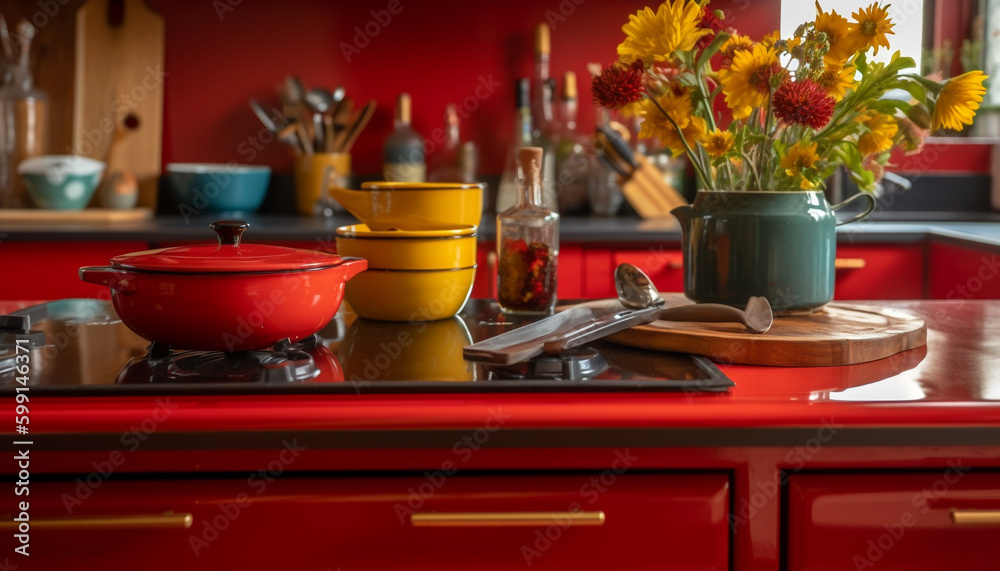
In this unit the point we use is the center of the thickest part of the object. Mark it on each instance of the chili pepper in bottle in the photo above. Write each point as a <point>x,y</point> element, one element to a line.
<point>527,244</point>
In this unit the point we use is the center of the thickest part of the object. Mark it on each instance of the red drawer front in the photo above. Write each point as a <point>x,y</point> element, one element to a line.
<point>664,266</point>
<point>963,273</point>
<point>570,278</point>
<point>50,270</point>
<point>652,521</point>
<point>880,272</point>
<point>892,522</point>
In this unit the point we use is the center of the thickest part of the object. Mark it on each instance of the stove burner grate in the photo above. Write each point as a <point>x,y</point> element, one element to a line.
<point>281,363</point>
<point>576,364</point>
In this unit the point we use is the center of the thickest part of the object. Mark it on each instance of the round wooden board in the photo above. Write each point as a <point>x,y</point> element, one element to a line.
<point>839,334</point>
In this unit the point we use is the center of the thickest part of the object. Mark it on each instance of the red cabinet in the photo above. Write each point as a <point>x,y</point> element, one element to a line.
<point>571,270</point>
<point>914,522</point>
<point>962,272</point>
<point>612,519</point>
<point>664,266</point>
<point>880,272</point>
<point>50,270</point>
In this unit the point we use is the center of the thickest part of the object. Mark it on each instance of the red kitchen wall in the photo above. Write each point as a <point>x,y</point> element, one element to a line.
<point>221,53</point>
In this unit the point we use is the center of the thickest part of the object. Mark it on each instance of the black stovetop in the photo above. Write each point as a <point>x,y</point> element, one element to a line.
<point>79,346</point>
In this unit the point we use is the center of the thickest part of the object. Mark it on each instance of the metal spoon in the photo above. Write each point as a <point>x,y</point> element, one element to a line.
<point>319,100</point>
<point>264,118</point>
<point>635,291</point>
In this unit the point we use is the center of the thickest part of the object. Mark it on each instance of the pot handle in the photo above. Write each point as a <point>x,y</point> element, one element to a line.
<point>859,215</point>
<point>353,266</point>
<point>115,279</point>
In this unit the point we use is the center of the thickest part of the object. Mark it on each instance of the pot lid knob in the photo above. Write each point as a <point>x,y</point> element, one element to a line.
<point>229,231</point>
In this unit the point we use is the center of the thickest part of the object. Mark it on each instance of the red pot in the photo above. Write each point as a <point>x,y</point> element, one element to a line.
<point>229,297</point>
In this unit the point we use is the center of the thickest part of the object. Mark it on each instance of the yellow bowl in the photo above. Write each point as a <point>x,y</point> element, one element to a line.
<point>382,351</point>
<point>413,206</point>
<point>409,295</point>
<point>409,249</point>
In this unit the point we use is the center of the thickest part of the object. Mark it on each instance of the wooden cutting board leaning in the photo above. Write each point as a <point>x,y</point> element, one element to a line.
<point>118,89</point>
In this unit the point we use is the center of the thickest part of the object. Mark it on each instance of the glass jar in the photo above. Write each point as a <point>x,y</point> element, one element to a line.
<point>23,134</point>
<point>528,244</point>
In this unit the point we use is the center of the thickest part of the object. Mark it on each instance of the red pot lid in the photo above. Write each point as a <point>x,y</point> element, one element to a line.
<point>228,256</point>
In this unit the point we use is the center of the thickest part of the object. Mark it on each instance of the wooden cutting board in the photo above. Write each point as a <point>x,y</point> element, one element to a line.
<point>86,216</point>
<point>839,334</point>
<point>119,74</point>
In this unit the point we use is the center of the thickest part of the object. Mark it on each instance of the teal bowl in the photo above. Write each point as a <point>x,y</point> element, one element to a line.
<point>215,188</point>
<point>61,182</point>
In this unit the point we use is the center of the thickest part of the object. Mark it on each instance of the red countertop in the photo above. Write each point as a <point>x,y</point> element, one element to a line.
<point>921,411</point>
<point>954,381</point>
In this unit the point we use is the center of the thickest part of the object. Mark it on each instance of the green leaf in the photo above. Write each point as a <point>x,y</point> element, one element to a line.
<point>711,50</point>
<point>861,62</point>
<point>913,88</point>
<point>929,84</point>
<point>887,106</point>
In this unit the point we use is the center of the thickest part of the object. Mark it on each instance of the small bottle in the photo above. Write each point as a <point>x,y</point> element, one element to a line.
<point>404,148</point>
<point>528,244</point>
<point>507,192</point>
<point>574,164</point>
<point>547,141</point>
<point>542,115</point>
<point>454,161</point>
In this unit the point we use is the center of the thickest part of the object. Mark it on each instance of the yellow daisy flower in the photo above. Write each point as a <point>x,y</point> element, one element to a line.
<point>881,130</point>
<point>747,82</point>
<point>837,30</point>
<point>871,27</point>
<point>800,156</point>
<point>694,132</point>
<point>655,124</point>
<point>836,81</point>
<point>654,36</point>
<point>771,40</point>
<point>718,143</point>
<point>957,103</point>
<point>678,106</point>
<point>735,43</point>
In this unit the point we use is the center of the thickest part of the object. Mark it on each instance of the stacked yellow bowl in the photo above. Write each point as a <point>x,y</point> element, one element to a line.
<point>420,246</point>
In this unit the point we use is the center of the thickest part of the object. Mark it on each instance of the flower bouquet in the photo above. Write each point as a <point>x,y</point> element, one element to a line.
<point>798,107</point>
<point>792,111</point>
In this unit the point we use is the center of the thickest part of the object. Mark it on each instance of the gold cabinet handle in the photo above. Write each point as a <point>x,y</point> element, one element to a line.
<point>506,519</point>
<point>849,263</point>
<point>167,520</point>
<point>975,517</point>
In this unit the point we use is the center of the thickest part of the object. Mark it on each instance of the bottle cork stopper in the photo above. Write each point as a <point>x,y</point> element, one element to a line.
<point>529,161</point>
<point>542,39</point>
<point>569,85</point>
<point>451,115</point>
<point>403,106</point>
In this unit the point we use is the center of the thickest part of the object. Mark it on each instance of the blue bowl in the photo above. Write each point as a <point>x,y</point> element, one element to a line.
<point>61,182</point>
<point>206,187</point>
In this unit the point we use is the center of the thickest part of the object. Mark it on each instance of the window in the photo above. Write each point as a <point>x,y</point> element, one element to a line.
<point>907,15</point>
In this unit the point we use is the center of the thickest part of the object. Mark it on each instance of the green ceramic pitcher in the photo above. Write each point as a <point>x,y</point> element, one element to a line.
<point>776,244</point>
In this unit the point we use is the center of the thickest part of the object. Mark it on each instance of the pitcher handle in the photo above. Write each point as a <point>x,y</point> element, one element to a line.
<point>859,215</point>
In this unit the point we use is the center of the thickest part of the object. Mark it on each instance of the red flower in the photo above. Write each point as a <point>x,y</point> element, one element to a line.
<point>618,85</point>
<point>710,20</point>
<point>803,103</point>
